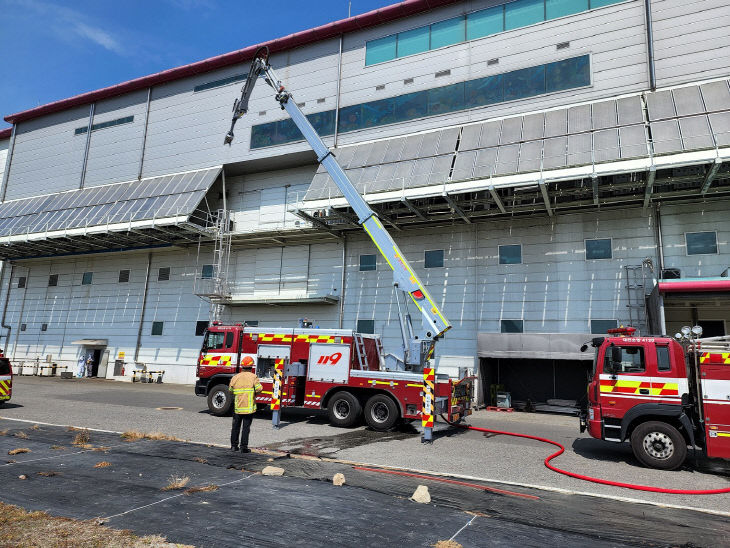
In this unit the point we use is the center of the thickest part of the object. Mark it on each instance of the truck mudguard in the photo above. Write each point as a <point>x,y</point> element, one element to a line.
<point>657,409</point>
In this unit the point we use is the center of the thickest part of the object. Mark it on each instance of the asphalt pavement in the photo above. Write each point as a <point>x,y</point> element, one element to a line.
<point>115,406</point>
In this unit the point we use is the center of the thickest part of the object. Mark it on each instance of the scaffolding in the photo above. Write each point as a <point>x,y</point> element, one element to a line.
<point>211,284</point>
<point>636,293</point>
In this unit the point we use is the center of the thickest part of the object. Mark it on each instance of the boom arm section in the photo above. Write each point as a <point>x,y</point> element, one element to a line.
<point>434,323</point>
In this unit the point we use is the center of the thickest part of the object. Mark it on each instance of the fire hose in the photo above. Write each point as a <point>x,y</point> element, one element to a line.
<point>561,450</point>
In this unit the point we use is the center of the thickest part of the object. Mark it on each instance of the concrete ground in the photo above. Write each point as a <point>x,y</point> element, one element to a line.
<point>121,406</point>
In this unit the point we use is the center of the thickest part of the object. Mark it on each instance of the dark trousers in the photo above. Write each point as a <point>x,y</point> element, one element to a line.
<point>240,420</point>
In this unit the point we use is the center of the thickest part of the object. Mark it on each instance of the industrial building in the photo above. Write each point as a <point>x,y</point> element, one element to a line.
<point>552,169</point>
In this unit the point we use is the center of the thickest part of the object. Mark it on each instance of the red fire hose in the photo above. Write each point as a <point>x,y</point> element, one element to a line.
<point>561,450</point>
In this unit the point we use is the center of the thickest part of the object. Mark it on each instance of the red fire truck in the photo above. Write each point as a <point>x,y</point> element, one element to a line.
<point>6,379</point>
<point>661,394</point>
<point>334,369</point>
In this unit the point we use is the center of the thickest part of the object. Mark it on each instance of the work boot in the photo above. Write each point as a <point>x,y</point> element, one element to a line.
<point>234,447</point>
<point>245,450</point>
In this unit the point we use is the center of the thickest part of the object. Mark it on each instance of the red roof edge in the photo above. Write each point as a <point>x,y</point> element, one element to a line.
<point>329,30</point>
<point>694,286</point>
<point>5,133</point>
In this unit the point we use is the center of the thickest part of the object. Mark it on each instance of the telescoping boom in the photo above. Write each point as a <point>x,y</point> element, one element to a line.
<point>417,347</point>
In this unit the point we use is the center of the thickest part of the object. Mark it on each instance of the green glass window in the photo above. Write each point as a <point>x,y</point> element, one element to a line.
<point>484,91</point>
<point>411,105</point>
<point>366,326</point>
<point>433,258</point>
<point>600,3</point>
<point>206,272</point>
<point>368,262</point>
<point>446,99</point>
<point>701,243</point>
<point>200,327</point>
<point>484,23</point>
<point>567,74</point>
<point>598,249</point>
<point>323,122</point>
<point>561,8</point>
<point>511,326</point>
<point>523,12</point>
<point>380,50</point>
<point>445,33</point>
<point>157,328</point>
<point>413,41</point>
<point>86,278</point>
<point>350,118</point>
<point>378,113</point>
<point>510,254</point>
<point>528,82</point>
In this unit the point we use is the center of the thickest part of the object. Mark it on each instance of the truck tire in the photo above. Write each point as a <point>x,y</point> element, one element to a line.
<point>344,409</point>
<point>220,400</point>
<point>381,412</point>
<point>658,445</point>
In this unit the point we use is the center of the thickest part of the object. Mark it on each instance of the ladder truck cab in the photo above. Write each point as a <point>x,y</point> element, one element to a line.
<point>661,394</point>
<point>334,369</point>
<point>6,379</point>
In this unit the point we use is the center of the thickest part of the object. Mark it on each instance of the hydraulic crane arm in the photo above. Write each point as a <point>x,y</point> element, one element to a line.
<point>434,323</point>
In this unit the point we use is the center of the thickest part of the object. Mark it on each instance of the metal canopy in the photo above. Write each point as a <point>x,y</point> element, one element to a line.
<point>157,210</point>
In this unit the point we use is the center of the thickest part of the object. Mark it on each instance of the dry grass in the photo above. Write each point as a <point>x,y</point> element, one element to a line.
<point>176,482</point>
<point>101,449</point>
<point>136,435</point>
<point>201,489</point>
<point>201,460</point>
<point>447,544</point>
<point>19,450</point>
<point>3,432</point>
<point>22,435</point>
<point>35,427</point>
<point>49,474</point>
<point>58,447</point>
<point>38,529</point>
<point>102,464</point>
<point>82,438</point>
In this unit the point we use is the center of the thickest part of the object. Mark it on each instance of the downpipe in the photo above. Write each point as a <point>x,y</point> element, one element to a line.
<point>7,298</point>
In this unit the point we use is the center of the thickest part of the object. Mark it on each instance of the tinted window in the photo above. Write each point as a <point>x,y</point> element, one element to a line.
<point>485,22</point>
<point>600,327</point>
<point>229,339</point>
<point>662,358</point>
<point>412,42</point>
<point>520,84</point>
<point>157,328</point>
<point>378,51</point>
<point>21,282</point>
<point>511,326</point>
<point>598,249</point>
<point>632,360</point>
<point>367,262</point>
<point>53,280</point>
<point>251,323</point>
<point>484,91</point>
<point>207,272</point>
<point>214,341</point>
<point>560,8</point>
<point>510,254</point>
<point>377,113</point>
<point>599,3</point>
<point>4,366</point>
<point>87,278</point>
<point>447,32</point>
<point>446,99</point>
<point>123,276</point>
<point>434,258</point>
<point>522,13</point>
<point>350,118</point>
<point>411,105</point>
<point>163,274</point>
<point>366,326</point>
<point>200,327</point>
<point>701,243</point>
<point>567,74</point>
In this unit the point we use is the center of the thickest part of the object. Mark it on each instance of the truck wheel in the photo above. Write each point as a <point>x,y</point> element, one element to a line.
<point>381,412</point>
<point>344,410</point>
<point>658,445</point>
<point>220,400</point>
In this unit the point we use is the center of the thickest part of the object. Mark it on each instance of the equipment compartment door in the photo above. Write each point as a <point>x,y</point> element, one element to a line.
<point>716,402</point>
<point>267,355</point>
<point>329,362</point>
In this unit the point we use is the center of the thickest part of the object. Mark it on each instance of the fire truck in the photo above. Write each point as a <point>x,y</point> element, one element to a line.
<point>334,369</point>
<point>6,379</point>
<point>339,370</point>
<point>661,394</point>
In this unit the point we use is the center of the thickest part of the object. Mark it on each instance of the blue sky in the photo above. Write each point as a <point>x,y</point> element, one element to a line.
<point>53,50</point>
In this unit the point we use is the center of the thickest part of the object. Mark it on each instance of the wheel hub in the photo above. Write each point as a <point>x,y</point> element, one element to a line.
<point>342,409</point>
<point>379,412</point>
<point>658,445</point>
<point>219,400</point>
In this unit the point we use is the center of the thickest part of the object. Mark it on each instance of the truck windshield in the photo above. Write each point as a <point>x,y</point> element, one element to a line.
<point>4,366</point>
<point>632,360</point>
<point>214,340</point>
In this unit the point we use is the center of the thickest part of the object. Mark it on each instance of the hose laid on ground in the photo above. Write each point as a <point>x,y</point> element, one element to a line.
<point>561,450</point>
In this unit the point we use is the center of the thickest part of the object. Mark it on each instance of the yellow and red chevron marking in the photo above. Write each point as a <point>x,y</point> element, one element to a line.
<point>429,374</point>
<point>221,359</point>
<point>284,338</point>
<point>625,386</point>
<point>6,388</point>
<point>716,357</point>
<point>276,396</point>
<point>427,421</point>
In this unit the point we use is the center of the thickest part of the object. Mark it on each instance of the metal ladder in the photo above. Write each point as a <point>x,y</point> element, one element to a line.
<point>636,296</point>
<point>361,352</point>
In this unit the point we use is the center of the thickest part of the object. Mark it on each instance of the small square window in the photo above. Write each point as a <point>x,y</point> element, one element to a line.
<point>511,326</point>
<point>207,272</point>
<point>366,326</point>
<point>86,278</point>
<point>53,280</point>
<point>510,254</point>
<point>251,323</point>
<point>368,262</point>
<point>598,249</point>
<point>23,327</point>
<point>44,327</point>
<point>21,282</point>
<point>600,327</point>
<point>701,243</point>
<point>163,274</point>
<point>434,258</point>
<point>663,362</point>
<point>200,327</point>
<point>123,276</point>
<point>157,328</point>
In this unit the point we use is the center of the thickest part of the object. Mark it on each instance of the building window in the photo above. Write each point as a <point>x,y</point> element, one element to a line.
<point>511,326</point>
<point>200,327</point>
<point>366,326</point>
<point>157,328</point>
<point>519,84</point>
<point>598,249</point>
<point>103,125</point>
<point>86,278</point>
<point>601,327</point>
<point>701,243</point>
<point>510,254</point>
<point>163,274</point>
<point>219,83</point>
<point>368,262</point>
<point>53,280</point>
<point>251,323</point>
<point>23,327</point>
<point>21,282</point>
<point>207,272</point>
<point>123,276</point>
<point>434,258</point>
<point>44,327</point>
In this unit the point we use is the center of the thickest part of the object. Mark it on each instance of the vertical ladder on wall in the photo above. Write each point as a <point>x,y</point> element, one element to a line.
<point>215,289</point>
<point>636,296</point>
<point>361,352</point>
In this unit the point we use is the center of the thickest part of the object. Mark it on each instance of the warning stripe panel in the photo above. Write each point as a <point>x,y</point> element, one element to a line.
<point>722,358</point>
<point>624,386</point>
<point>285,338</point>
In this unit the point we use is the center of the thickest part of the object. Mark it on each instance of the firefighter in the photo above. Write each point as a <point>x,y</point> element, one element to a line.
<point>244,386</point>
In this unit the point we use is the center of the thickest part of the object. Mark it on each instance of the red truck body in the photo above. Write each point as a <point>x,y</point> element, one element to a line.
<point>322,367</point>
<point>662,396</point>
<point>6,380</point>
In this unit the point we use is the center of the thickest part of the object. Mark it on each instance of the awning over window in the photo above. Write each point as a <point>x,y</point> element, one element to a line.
<point>160,208</point>
<point>696,285</point>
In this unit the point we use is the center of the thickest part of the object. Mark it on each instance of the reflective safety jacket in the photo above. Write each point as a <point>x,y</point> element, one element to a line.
<point>245,386</point>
